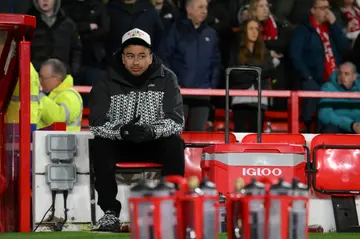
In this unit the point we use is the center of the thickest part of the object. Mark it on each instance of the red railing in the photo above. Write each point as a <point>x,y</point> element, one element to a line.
<point>293,97</point>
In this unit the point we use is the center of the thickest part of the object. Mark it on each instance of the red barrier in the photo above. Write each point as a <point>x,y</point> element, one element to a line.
<point>292,95</point>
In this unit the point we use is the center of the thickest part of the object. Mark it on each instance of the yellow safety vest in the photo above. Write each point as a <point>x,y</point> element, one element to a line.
<point>63,104</point>
<point>12,114</point>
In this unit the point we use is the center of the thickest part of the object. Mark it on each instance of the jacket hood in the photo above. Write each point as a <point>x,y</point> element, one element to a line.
<point>333,80</point>
<point>118,72</point>
<point>56,8</point>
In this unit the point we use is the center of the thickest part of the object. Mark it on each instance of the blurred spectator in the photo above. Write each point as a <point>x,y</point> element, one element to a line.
<point>316,49</point>
<point>295,11</point>
<point>354,53</point>
<point>244,14</point>
<point>218,19</point>
<point>168,13</point>
<point>191,51</point>
<point>92,22</point>
<point>128,14</point>
<point>55,36</point>
<point>341,115</point>
<point>351,11</point>
<point>59,101</point>
<point>277,36</point>
<point>235,7</point>
<point>249,50</point>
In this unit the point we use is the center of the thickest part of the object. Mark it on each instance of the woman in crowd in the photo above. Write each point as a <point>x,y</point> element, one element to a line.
<point>276,35</point>
<point>249,50</point>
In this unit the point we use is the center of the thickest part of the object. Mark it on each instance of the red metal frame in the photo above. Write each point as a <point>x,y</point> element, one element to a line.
<point>25,132</point>
<point>292,95</point>
<point>57,126</point>
<point>21,28</point>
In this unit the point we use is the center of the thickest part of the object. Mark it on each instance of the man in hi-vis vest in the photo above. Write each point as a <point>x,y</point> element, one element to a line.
<point>59,101</point>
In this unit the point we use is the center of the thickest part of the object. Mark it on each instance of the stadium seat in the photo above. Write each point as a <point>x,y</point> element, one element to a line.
<point>138,167</point>
<point>219,120</point>
<point>277,122</point>
<point>195,142</point>
<point>85,119</point>
<point>336,164</point>
<point>276,138</point>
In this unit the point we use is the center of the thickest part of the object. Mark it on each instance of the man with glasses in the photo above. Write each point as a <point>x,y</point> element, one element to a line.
<point>136,116</point>
<point>316,50</point>
<point>59,101</point>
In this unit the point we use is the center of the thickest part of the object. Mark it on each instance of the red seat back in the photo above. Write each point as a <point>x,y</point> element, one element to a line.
<point>193,154</point>
<point>276,138</point>
<point>3,185</point>
<point>336,160</point>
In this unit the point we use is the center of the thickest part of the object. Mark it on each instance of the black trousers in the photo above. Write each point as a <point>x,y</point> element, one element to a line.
<point>105,153</point>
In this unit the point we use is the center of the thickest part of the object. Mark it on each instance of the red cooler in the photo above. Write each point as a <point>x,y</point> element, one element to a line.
<point>224,163</point>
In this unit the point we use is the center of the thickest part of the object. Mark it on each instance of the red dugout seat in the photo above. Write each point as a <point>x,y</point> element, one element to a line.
<point>195,142</point>
<point>336,164</point>
<point>276,138</point>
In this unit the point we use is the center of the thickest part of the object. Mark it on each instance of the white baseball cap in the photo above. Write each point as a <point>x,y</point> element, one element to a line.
<point>136,34</point>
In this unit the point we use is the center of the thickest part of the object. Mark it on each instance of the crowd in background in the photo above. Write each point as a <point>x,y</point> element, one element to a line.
<point>298,44</point>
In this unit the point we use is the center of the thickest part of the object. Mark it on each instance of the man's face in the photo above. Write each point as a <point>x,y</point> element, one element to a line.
<point>320,10</point>
<point>262,10</point>
<point>197,10</point>
<point>47,5</point>
<point>347,76</point>
<point>137,59</point>
<point>48,80</point>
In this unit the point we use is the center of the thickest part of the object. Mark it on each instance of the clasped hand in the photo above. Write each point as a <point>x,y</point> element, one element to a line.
<point>137,133</point>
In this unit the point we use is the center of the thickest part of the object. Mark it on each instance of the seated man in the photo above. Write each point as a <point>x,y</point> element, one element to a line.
<point>59,101</point>
<point>341,115</point>
<point>136,116</point>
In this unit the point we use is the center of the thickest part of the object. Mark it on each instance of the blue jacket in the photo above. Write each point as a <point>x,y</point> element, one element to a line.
<point>193,55</point>
<point>340,112</point>
<point>308,54</point>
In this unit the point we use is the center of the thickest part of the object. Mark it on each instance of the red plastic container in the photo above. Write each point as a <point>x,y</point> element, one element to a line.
<point>223,163</point>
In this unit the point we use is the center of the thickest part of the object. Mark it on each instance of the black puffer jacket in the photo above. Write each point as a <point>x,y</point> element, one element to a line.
<point>83,13</point>
<point>116,101</point>
<point>60,40</point>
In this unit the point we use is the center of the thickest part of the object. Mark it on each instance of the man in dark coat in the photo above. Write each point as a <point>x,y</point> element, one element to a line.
<point>136,116</point>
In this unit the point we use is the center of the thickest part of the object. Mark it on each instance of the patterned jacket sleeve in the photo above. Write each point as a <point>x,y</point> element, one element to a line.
<point>173,121</point>
<point>99,107</point>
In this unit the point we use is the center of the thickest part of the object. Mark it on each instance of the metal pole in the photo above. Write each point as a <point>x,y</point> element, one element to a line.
<point>227,106</point>
<point>227,95</point>
<point>259,115</point>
